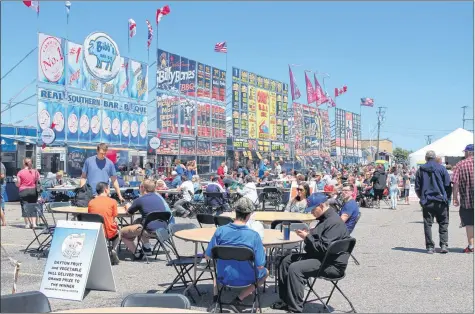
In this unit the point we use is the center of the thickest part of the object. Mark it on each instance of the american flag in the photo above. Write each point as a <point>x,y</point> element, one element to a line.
<point>221,47</point>
<point>365,101</point>
<point>150,33</point>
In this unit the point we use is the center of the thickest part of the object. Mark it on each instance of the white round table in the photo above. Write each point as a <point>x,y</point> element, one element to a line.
<point>130,310</point>
<point>267,217</point>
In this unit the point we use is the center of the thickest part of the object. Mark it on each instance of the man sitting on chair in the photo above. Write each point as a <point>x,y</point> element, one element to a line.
<point>237,273</point>
<point>105,206</point>
<point>295,269</point>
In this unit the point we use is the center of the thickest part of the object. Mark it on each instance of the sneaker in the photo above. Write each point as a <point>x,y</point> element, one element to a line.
<point>114,258</point>
<point>147,251</point>
<point>27,226</point>
<point>468,250</point>
<point>237,305</point>
<point>430,250</point>
<point>443,249</point>
<point>34,226</point>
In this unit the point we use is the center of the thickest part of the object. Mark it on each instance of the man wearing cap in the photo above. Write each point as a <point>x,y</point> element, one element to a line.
<point>238,234</point>
<point>295,269</point>
<point>432,183</point>
<point>463,186</point>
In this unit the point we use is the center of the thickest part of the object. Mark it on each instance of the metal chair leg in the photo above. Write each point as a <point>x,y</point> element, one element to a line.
<point>354,259</point>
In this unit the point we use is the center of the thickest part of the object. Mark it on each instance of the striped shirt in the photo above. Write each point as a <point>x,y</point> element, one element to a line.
<point>463,176</point>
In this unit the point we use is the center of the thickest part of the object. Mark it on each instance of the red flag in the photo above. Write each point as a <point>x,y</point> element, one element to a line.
<point>310,91</point>
<point>319,94</point>
<point>294,90</point>
<point>336,92</point>
<point>344,88</point>
<point>34,5</point>
<point>162,12</point>
<point>340,91</point>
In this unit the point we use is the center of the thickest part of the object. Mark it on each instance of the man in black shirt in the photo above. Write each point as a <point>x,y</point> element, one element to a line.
<point>379,180</point>
<point>295,269</point>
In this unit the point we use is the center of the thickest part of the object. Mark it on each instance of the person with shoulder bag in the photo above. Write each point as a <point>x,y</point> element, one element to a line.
<point>28,183</point>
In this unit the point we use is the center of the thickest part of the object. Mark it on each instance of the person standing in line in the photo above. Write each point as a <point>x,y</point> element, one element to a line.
<point>463,186</point>
<point>99,168</point>
<point>3,185</point>
<point>393,187</point>
<point>27,179</point>
<point>432,182</point>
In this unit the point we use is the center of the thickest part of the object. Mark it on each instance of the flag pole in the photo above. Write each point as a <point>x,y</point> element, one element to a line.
<point>128,40</point>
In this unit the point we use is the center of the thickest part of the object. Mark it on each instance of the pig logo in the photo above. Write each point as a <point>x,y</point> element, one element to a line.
<point>73,245</point>
<point>102,57</point>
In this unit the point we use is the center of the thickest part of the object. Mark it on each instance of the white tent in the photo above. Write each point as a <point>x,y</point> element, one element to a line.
<point>451,145</point>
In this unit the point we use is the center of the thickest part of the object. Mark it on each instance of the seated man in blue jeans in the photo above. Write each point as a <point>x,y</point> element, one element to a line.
<point>238,234</point>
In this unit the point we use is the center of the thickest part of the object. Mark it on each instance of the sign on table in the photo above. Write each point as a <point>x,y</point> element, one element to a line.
<point>78,259</point>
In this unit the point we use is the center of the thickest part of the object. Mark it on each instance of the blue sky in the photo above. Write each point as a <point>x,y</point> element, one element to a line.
<point>415,58</point>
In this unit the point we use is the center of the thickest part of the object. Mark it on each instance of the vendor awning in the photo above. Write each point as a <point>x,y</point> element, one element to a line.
<point>21,138</point>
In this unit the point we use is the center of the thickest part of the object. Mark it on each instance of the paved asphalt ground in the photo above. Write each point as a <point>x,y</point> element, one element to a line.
<point>395,275</point>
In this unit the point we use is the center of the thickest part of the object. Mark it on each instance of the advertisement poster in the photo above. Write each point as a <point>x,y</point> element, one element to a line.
<point>187,116</point>
<point>349,129</point>
<point>263,146</point>
<point>85,124</point>
<point>236,123</point>
<point>207,89</point>
<point>279,129</point>
<point>168,146</point>
<point>285,99</point>
<point>143,129</point>
<point>204,119</point>
<point>116,127</point>
<point>272,127</point>
<point>326,129</point>
<point>235,104</point>
<point>44,115</point>
<point>272,103</point>
<point>95,125</point>
<point>106,126</point>
<point>260,81</point>
<point>218,149</point>
<point>222,86</point>
<point>125,128</point>
<point>122,81</point>
<point>163,70</point>
<point>252,124</point>
<point>73,124</point>
<point>138,75</point>
<point>278,105</point>
<point>244,98</point>
<point>262,114</point>
<point>167,113</point>
<point>58,112</point>
<point>240,144</point>
<point>277,148</point>
<point>187,147</point>
<point>286,130</point>
<point>218,122</point>
<point>215,83</point>
<point>51,59</point>
<point>236,75</point>
<point>187,83</point>
<point>134,130</point>
<point>200,80</point>
<point>75,72</point>
<point>175,64</point>
<point>244,124</point>
<point>203,148</point>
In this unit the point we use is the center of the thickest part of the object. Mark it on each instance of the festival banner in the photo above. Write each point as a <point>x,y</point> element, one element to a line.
<point>58,113</point>
<point>236,121</point>
<point>203,148</point>
<point>168,146</point>
<point>240,144</point>
<point>187,147</point>
<point>51,59</point>
<point>122,81</point>
<point>115,127</point>
<point>262,114</point>
<point>218,122</point>
<point>272,127</point>
<point>134,130</point>
<point>286,130</point>
<point>75,72</point>
<point>235,104</point>
<point>167,113</point>
<point>222,86</point>
<point>236,75</point>
<point>244,98</point>
<point>125,128</point>
<point>143,129</point>
<point>138,75</point>
<point>244,124</point>
<point>244,76</point>
<point>207,89</point>
<point>252,109</point>
<point>175,64</point>
<point>218,149</point>
<point>164,71</point>
<point>85,124</point>
<point>200,81</point>
<point>278,105</point>
<point>272,113</point>
<point>204,119</point>
<point>73,124</point>
<point>215,82</point>
<point>187,116</point>
<point>285,99</point>
<point>95,125</point>
<point>106,126</point>
<point>349,129</point>
<point>260,81</point>
<point>279,129</point>
<point>252,79</point>
<point>263,146</point>
<point>188,72</point>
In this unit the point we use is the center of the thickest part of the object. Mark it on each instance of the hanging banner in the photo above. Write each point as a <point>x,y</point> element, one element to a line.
<point>326,129</point>
<point>207,89</point>
<point>51,59</point>
<point>200,80</point>
<point>252,109</point>
<point>106,126</point>
<point>187,147</point>
<point>285,99</point>
<point>240,144</point>
<point>95,125</point>
<point>188,76</point>
<point>187,116</point>
<point>116,127</point>
<point>138,75</point>
<point>203,148</point>
<point>286,130</point>
<point>236,75</point>
<point>143,129</point>
<point>167,113</point>
<point>244,124</point>
<point>75,72</point>
<point>204,119</point>
<point>164,71</point>
<point>175,64</point>
<point>262,114</point>
<point>73,124</point>
<point>272,113</point>
<point>235,104</point>
<point>279,129</point>
<point>123,82</point>
<point>349,129</point>
<point>125,128</point>
<point>244,76</point>
<point>59,120</point>
<point>215,83</point>
<point>168,146</point>
<point>85,124</point>
<point>218,122</point>
<point>236,121</point>
<point>218,149</point>
<point>222,86</point>
<point>134,130</point>
<point>278,105</point>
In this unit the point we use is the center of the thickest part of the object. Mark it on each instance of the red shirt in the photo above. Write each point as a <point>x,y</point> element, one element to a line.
<point>463,176</point>
<point>27,179</point>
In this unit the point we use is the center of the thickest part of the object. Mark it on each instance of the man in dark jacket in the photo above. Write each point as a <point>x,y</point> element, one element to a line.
<point>295,269</point>
<point>379,183</point>
<point>432,183</point>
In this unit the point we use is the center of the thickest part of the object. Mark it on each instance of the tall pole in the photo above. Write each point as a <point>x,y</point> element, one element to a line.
<point>381,112</point>
<point>428,139</point>
<point>463,117</point>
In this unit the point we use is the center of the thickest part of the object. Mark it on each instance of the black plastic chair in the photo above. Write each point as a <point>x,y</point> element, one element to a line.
<point>236,253</point>
<point>25,302</point>
<point>217,197</point>
<point>88,217</point>
<point>356,222</point>
<point>47,231</point>
<point>205,219</point>
<point>155,216</point>
<point>273,196</point>
<point>222,220</point>
<point>336,248</point>
<point>172,300</point>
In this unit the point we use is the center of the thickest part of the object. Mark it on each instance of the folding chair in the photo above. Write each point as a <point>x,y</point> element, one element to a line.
<point>236,253</point>
<point>222,220</point>
<point>198,205</point>
<point>25,302</point>
<point>205,219</point>
<point>51,205</point>
<point>155,216</point>
<point>214,196</point>
<point>182,265</point>
<point>47,231</point>
<point>171,300</point>
<point>356,222</point>
<point>336,248</point>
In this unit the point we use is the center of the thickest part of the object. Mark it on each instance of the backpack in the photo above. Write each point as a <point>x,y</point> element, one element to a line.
<point>82,196</point>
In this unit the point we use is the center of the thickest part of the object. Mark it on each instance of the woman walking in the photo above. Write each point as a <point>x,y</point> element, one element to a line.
<point>27,178</point>
<point>393,187</point>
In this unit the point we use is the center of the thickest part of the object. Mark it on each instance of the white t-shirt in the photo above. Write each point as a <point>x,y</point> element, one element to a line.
<point>186,188</point>
<point>250,191</point>
<point>257,226</point>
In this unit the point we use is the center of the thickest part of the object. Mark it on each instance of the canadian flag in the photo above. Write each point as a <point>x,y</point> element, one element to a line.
<point>162,12</point>
<point>35,5</point>
<point>340,91</point>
